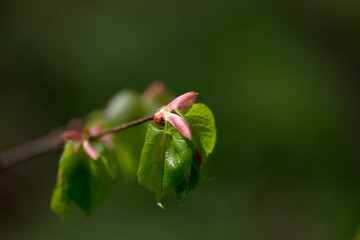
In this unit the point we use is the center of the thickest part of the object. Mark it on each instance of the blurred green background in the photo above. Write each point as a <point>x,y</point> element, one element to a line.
<point>281,78</point>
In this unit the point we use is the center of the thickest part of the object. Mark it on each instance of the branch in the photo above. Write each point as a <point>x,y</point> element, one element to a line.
<point>29,150</point>
<point>50,143</point>
<point>122,127</point>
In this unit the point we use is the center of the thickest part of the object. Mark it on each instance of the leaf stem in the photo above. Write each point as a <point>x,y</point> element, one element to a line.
<point>178,111</point>
<point>166,126</point>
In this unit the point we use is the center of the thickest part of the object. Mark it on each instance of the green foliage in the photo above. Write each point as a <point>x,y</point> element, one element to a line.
<point>165,161</point>
<point>202,124</point>
<point>88,183</point>
<point>80,179</point>
<point>126,157</point>
<point>171,162</point>
<point>190,184</point>
<point>168,161</point>
<point>123,106</point>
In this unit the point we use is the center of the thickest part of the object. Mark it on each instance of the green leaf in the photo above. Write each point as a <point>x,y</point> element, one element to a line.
<point>60,202</point>
<point>191,184</point>
<point>127,149</point>
<point>165,161</point>
<point>81,180</point>
<point>123,106</point>
<point>178,157</point>
<point>202,124</point>
<point>108,158</point>
<point>126,159</point>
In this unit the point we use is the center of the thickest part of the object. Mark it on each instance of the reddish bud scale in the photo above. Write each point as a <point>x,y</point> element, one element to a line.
<point>198,158</point>
<point>71,135</point>
<point>164,113</point>
<point>159,116</point>
<point>82,139</point>
<point>95,130</point>
<point>90,151</point>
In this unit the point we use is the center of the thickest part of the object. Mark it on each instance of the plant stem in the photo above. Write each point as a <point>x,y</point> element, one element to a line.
<point>122,127</point>
<point>46,144</point>
<point>166,126</point>
<point>29,150</point>
<point>178,111</point>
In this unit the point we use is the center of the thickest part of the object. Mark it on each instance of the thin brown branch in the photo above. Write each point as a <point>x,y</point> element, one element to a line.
<point>49,143</point>
<point>122,127</point>
<point>29,150</point>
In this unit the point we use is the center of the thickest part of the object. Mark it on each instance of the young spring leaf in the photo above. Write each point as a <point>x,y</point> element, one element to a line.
<point>202,124</point>
<point>156,171</point>
<point>191,183</point>
<point>126,158</point>
<point>123,106</point>
<point>60,202</point>
<point>165,161</point>
<point>80,179</point>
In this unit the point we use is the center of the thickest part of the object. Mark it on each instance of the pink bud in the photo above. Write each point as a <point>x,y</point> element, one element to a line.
<point>155,89</point>
<point>72,135</point>
<point>179,124</point>
<point>90,151</point>
<point>95,130</point>
<point>182,102</point>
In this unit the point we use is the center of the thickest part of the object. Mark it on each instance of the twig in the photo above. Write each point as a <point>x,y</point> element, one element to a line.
<point>49,143</point>
<point>122,127</point>
<point>29,150</point>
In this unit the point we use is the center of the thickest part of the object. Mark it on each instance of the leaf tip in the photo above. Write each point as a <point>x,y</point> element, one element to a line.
<point>160,205</point>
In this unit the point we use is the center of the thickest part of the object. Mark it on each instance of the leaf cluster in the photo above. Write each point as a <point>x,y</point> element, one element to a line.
<point>171,162</point>
<point>168,161</point>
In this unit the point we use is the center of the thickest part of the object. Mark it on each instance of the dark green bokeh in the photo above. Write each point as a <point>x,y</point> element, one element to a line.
<point>281,79</point>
